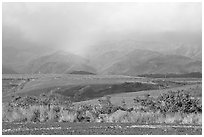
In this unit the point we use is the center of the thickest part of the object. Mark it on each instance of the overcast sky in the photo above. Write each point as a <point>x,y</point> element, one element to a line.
<point>74,26</point>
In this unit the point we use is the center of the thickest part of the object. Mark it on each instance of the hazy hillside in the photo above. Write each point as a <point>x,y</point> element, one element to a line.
<point>128,57</point>
<point>59,62</point>
<point>14,58</point>
<point>129,61</point>
<point>18,57</point>
<point>145,61</point>
<point>104,59</point>
<point>124,46</point>
<point>193,51</point>
<point>107,53</point>
<point>7,70</point>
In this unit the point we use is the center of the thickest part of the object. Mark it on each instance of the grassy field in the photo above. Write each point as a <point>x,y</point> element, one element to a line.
<point>195,90</point>
<point>175,107</point>
<point>37,84</point>
<point>88,86</point>
<point>100,99</point>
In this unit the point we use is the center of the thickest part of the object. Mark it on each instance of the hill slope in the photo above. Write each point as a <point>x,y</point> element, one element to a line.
<point>192,51</point>
<point>17,58</point>
<point>7,70</point>
<point>59,62</point>
<point>146,61</point>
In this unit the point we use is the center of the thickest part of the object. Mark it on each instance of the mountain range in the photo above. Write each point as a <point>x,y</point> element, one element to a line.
<point>126,57</point>
<point>150,62</point>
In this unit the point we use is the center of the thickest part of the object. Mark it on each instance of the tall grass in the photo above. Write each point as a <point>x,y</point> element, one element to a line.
<point>145,111</point>
<point>37,113</point>
<point>67,116</point>
<point>43,114</point>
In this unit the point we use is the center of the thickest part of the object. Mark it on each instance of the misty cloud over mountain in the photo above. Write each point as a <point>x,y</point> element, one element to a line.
<point>103,34</point>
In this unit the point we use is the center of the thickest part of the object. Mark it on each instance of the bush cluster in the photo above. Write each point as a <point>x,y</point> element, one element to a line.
<point>171,102</point>
<point>43,99</point>
<point>106,107</point>
<point>169,107</point>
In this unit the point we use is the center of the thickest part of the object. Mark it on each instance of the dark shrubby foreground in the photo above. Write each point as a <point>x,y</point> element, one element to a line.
<point>172,107</point>
<point>171,102</point>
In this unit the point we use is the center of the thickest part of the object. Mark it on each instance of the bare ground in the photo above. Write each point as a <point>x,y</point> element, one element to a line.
<point>56,128</point>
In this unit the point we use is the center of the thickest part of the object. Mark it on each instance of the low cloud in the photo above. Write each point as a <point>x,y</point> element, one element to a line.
<point>75,26</point>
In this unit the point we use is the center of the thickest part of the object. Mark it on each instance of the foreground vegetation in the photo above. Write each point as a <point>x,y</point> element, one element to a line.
<point>172,107</point>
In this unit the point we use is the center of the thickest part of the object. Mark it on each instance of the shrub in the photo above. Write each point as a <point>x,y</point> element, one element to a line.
<point>90,116</point>
<point>129,117</point>
<point>54,99</point>
<point>43,113</point>
<point>144,117</point>
<point>118,116</point>
<point>27,113</point>
<point>24,102</point>
<point>53,113</point>
<point>67,116</point>
<point>16,116</point>
<point>173,118</point>
<point>178,102</point>
<point>192,119</point>
<point>32,113</point>
<point>123,104</point>
<point>106,107</point>
<point>172,107</point>
<point>87,113</point>
<point>170,102</point>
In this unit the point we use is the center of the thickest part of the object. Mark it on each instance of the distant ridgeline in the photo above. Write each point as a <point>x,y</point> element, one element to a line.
<point>171,75</point>
<point>82,73</point>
